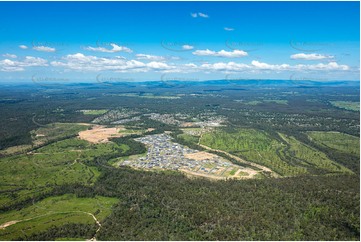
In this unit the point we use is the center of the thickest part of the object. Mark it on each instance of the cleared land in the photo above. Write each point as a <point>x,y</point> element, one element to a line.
<point>163,154</point>
<point>54,211</point>
<point>353,106</point>
<point>338,141</point>
<point>63,162</point>
<point>100,134</point>
<point>200,156</point>
<point>47,134</point>
<point>94,111</point>
<point>286,157</point>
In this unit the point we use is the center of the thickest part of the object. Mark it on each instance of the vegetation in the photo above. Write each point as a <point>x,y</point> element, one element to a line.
<point>338,141</point>
<point>172,207</point>
<point>47,134</point>
<point>311,144</point>
<point>54,211</point>
<point>287,156</point>
<point>353,106</point>
<point>94,111</point>
<point>62,162</point>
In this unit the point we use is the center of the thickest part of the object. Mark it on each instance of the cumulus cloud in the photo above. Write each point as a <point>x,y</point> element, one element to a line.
<point>222,53</point>
<point>83,62</point>
<point>228,29</point>
<point>20,65</point>
<point>150,57</point>
<point>265,66</point>
<point>44,48</point>
<point>115,48</point>
<point>10,56</point>
<point>187,47</point>
<point>256,65</point>
<point>24,47</point>
<point>331,66</point>
<point>194,15</point>
<point>221,66</point>
<point>313,56</point>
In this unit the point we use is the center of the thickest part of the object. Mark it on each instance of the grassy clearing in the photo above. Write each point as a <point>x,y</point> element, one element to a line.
<point>62,162</point>
<point>253,145</point>
<point>46,134</point>
<point>305,154</point>
<point>339,141</point>
<point>132,131</point>
<point>353,106</point>
<point>54,211</point>
<point>56,131</point>
<point>288,157</point>
<point>189,138</point>
<point>94,111</point>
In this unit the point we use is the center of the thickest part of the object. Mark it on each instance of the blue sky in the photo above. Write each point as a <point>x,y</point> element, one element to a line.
<point>138,41</point>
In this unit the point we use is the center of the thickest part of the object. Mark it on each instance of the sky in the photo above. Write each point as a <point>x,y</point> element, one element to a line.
<point>190,41</point>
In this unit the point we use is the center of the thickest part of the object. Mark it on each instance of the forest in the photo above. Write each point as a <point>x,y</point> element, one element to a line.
<point>55,186</point>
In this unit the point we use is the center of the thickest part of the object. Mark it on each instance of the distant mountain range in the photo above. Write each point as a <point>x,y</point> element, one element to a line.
<point>179,84</point>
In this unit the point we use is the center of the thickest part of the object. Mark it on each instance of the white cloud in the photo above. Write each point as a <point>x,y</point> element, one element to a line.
<point>116,48</point>
<point>10,56</point>
<point>228,29</point>
<point>194,15</point>
<point>313,56</point>
<point>44,48</point>
<point>256,65</point>
<point>221,66</point>
<point>28,61</point>
<point>222,53</point>
<point>265,66</point>
<point>150,57</point>
<point>24,47</point>
<point>82,62</point>
<point>187,47</point>
<point>203,15</point>
<point>331,66</point>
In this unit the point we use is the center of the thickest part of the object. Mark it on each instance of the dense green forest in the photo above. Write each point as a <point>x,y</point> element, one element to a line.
<point>297,130</point>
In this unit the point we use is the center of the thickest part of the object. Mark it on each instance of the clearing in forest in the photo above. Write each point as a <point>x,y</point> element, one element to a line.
<point>100,134</point>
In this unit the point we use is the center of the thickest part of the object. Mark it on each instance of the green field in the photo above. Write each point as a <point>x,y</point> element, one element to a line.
<point>353,106</point>
<point>310,157</point>
<point>47,134</point>
<point>338,141</point>
<point>63,162</point>
<point>287,157</point>
<point>54,211</point>
<point>189,138</point>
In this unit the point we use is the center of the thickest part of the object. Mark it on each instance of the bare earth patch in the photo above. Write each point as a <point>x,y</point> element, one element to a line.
<point>187,124</point>
<point>200,156</point>
<point>100,134</point>
<point>7,224</point>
